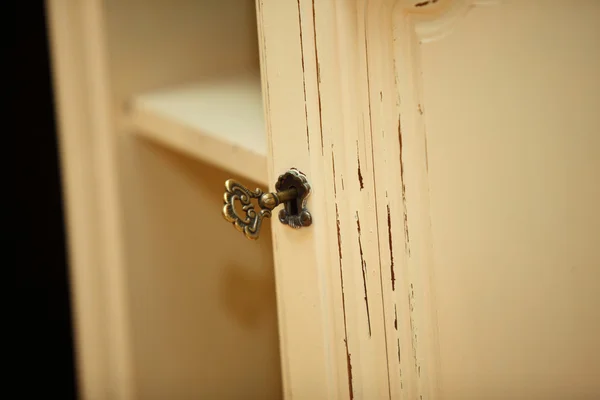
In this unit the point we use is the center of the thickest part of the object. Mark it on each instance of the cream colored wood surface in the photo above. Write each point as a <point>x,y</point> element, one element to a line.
<point>454,149</point>
<point>328,279</point>
<point>202,296</point>
<point>219,121</point>
<point>170,300</point>
<point>513,157</point>
<point>92,200</point>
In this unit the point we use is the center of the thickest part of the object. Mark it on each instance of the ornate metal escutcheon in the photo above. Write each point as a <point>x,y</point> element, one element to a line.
<point>292,189</point>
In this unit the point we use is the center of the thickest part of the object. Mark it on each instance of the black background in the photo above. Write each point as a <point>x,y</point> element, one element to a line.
<point>44,339</point>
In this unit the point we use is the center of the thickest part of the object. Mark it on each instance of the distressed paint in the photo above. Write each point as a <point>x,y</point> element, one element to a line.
<point>318,70</point>
<point>303,79</point>
<point>348,70</point>
<point>403,185</point>
<point>391,247</point>
<point>425,3</point>
<point>360,176</point>
<point>363,263</point>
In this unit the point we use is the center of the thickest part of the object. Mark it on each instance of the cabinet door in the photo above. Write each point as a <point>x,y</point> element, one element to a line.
<point>503,159</point>
<point>454,151</point>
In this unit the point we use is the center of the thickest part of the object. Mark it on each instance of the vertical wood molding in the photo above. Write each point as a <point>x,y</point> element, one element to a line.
<point>330,298</point>
<point>87,144</point>
<point>396,30</point>
<point>402,198</point>
<point>343,103</point>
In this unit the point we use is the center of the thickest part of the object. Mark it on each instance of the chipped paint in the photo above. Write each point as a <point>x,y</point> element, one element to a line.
<point>391,246</point>
<point>360,177</point>
<point>364,271</point>
<point>348,356</point>
<point>339,234</point>
<point>425,3</point>
<point>334,176</point>
<point>318,67</point>
<point>413,330</point>
<point>369,102</point>
<point>349,366</point>
<point>303,75</point>
<point>406,234</point>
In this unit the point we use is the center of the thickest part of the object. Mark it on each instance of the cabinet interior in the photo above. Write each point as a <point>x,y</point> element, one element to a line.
<point>188,114</point>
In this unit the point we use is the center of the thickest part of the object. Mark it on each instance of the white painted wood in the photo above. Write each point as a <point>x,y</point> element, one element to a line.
<point>473,127</point>
<point>328,278</point>
<point>511,166</point>
<point>92,200</point>
<point>219,121</point>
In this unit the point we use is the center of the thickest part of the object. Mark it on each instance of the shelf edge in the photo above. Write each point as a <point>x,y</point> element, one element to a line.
<point>197,145</point>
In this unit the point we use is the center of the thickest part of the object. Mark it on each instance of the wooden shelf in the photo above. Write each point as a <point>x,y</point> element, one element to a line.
<point>219,121</point>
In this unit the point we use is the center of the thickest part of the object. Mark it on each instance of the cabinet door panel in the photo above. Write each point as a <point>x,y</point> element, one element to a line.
<point>514,157</point>
<point>454,149</point>
<point>507,98</point>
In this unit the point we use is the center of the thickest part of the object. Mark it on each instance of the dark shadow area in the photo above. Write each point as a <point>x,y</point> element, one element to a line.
<point>44,340</point>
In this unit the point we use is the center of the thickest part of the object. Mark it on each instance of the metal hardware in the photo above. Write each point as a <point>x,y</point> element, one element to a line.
<point>291,189</point>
